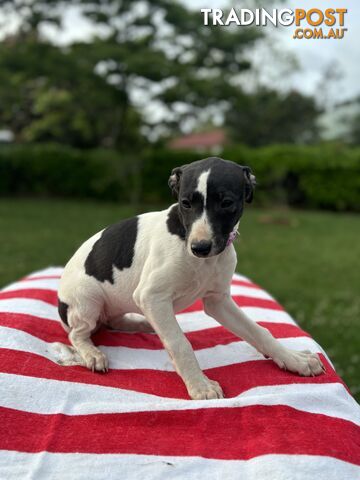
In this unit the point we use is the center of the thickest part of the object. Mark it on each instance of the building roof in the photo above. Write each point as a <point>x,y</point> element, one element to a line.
<point>205,140</point>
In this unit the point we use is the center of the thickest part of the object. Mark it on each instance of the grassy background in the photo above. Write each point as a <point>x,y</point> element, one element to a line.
<point>307,260</point>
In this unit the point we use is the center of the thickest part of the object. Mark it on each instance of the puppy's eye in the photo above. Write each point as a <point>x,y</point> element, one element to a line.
<point>185,203</point>
<point>227,203</point>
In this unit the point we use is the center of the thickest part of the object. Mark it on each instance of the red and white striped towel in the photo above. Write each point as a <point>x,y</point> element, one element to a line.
<point>136,422</point>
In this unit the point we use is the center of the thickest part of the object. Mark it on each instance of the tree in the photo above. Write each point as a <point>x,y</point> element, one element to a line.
<point>351,119</point>
<point>49,94</point>
<point>160,50</point>
<point>354,135</point>
<point>268,116</point>
<point>157,48</point>
<point>150,53</point>
<point>32,13</point>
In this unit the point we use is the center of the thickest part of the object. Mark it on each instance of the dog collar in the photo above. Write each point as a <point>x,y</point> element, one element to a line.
<point>232,237</point>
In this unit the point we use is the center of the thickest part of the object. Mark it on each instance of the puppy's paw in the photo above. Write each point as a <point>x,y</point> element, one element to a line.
<point>205,389</point>
<point>304,363</point>
<point>95,360</point>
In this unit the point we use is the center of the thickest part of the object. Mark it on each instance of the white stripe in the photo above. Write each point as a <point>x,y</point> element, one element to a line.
<point>268,315</point>
<point>29,307</point>
<point>202,184</point>
<point>48,396</point>
<point>194,321</point>
<point>243,278</point>
<point>46,272</point>
<point>85,466</point>
<point>42,284</point>
<point>250,292</point>
<point>44,396</point>
<point>139,358</point>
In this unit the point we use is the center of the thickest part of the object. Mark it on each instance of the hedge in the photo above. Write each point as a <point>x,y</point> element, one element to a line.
<point>55,170</point>
<point>322,176</point>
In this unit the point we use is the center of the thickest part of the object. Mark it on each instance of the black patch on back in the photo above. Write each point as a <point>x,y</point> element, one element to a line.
<point>174,223</point>
<point>115,247</point>
<point>63,311</point>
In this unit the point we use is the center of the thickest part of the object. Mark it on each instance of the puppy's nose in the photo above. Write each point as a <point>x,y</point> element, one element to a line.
<point>201,249</point>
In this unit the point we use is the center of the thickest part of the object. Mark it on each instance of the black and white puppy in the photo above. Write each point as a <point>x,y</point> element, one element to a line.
<point>136,274</point>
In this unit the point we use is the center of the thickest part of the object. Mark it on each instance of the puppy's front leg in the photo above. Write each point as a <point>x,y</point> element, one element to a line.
<point>225,311</point>
<point>160,314</point>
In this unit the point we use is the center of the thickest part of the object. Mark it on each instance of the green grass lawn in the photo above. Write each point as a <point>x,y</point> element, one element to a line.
<point>308,260</point>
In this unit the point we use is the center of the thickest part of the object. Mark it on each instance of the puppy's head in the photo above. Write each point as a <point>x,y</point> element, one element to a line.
<point>211,195</point>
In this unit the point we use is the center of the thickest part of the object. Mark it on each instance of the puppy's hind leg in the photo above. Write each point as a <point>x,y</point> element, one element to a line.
<point>82,323</point>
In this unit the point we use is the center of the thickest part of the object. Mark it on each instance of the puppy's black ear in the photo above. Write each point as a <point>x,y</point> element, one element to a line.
<point>250,182</point>
<point>174,180</point>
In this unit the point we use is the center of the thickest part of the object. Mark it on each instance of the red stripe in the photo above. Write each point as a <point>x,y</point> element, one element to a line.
<point>242,301</point>
<point>50,296</point>
<point>234,379</point>
<point>226,433</point>
<point>197,306</point>
<point>51,331</point>
<point>245,283</point>
<point>207,338</point>
<point>47,330</point>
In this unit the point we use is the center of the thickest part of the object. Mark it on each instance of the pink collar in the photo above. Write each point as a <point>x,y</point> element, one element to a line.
<point>232,237</point>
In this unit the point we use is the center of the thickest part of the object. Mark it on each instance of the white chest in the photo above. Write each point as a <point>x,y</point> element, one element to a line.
<point>196,281</point>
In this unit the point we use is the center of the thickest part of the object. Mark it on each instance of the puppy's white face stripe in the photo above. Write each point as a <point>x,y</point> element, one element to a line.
<point>202,184</point>
<point>201,229</point>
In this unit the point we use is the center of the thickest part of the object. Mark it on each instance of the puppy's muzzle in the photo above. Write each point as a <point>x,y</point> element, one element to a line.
<point>202,248</point>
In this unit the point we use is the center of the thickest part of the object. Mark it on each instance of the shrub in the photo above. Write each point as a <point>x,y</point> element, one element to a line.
<point>55,170</point>
<point>322,176</point>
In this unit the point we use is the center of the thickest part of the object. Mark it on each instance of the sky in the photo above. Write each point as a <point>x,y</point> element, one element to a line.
<point>316,58</point>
